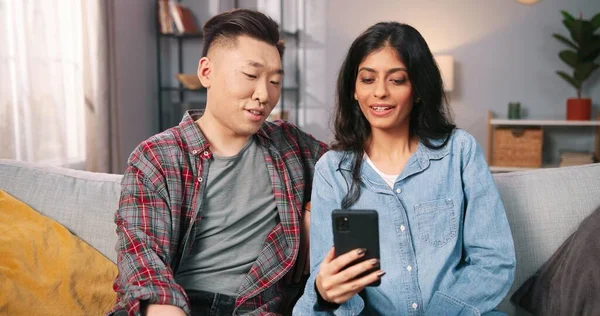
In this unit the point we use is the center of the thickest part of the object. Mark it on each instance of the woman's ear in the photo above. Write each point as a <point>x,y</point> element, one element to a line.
<point>204,71</point>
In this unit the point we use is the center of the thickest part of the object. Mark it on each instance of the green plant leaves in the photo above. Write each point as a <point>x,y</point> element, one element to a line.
<point>596,21</point>
<point>584,48</point>
<point>567,16</point>
<point>591,50</point>
<point>581,31</point>
<point>568,79</point>
<point>565,40</point>
<point>583,71</point>
<point>569,57</point>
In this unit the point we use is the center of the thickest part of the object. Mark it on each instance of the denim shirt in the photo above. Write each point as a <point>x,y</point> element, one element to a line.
<point>445,242</point>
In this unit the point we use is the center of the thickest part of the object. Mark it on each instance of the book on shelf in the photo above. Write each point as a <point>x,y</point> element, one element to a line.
<point>575,158</point>
<point>164,18</point>
<point>176,18</point>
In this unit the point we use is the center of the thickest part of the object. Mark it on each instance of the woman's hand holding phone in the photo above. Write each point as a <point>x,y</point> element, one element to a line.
<point>336,280</point>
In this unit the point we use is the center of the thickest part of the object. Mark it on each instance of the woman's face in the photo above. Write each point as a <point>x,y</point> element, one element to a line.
<point>383,90</point>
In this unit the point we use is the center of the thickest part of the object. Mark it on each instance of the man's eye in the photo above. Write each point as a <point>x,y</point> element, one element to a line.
<point>276,83</point>
<point>250,76</point>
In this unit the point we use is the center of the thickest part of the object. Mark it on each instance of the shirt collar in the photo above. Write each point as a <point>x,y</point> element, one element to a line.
<point>194,139</point>
<point>423,154</point>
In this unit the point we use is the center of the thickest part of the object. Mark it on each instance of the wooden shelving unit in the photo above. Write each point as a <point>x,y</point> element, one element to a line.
<point>493,123</point>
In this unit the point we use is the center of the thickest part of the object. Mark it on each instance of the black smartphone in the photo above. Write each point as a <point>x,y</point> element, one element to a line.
<point>353,229</point>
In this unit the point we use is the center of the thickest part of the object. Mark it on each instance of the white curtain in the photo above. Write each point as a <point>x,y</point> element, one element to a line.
<point>54,83</point>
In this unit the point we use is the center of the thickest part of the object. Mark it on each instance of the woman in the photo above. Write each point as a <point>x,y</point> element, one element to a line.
<point>446,246</point>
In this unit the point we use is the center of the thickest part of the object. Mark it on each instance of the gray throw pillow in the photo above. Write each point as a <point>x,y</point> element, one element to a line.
<point>569,283</point>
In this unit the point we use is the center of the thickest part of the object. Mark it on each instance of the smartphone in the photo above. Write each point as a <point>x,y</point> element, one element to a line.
<point>353,229</point>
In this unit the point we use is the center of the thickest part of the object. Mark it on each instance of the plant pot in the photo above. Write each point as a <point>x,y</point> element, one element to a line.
<point>579,109</point>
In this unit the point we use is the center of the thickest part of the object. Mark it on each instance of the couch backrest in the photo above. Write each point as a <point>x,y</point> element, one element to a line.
<point>84,202</point>
<point>543,206</point>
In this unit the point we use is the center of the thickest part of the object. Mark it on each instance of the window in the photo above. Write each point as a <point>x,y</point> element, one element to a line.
<point>42,99</point>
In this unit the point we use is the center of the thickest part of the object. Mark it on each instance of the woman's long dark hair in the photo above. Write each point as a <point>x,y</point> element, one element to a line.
<point>430,118</point>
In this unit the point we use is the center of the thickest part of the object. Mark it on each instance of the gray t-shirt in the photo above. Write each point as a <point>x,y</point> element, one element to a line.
<point>237,214</point>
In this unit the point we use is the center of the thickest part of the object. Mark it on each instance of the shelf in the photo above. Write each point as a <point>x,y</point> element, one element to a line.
<point>543,123</point>
<point>184,35</point>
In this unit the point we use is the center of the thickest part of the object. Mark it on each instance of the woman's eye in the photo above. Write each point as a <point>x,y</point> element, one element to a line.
<point>367,80</point>
<point>399,81</point>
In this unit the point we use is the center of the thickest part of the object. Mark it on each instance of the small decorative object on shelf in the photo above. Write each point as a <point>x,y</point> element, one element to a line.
<point>581,56</point>
<point>190,81</point>
<point>514,110</point>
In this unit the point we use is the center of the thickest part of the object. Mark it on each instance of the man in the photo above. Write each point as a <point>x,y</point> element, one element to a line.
<point>211,211</point>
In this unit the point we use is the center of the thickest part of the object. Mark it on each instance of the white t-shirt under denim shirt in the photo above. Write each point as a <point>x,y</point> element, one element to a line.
<point>445,242</point>
<point>388,178</point>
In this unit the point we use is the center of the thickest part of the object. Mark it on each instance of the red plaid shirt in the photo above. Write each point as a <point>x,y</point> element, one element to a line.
<point>161,193</point>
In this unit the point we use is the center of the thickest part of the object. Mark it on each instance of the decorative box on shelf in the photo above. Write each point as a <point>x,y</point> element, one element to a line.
<point>517,147</point>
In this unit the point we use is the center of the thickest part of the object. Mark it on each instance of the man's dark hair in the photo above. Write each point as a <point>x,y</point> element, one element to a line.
<point>227,26</point>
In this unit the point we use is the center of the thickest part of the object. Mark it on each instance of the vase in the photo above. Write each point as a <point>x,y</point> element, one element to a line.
<point>579,109</point>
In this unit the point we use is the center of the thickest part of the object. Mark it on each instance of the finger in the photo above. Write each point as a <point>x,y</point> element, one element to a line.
<point>344,291</point>
<point>330,255</point>
<point>367,279</point>
<point>353,271</point>
<point>344,260</point>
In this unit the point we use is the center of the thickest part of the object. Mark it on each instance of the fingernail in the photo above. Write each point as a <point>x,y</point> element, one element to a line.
<point>374,262</point>
<point>361,251</point>
<point>380,274</point>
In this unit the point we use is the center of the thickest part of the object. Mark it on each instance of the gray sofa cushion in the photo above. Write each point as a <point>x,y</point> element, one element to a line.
<point>84,202</point>
<point>544,207</point>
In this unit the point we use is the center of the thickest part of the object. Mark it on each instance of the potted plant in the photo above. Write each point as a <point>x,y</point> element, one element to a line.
<point>584,48</point>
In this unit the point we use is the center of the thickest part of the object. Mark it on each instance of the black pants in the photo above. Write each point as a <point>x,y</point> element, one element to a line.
<point>210,304</point>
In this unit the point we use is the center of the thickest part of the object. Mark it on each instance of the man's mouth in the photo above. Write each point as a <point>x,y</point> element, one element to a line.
<point>256,112</point>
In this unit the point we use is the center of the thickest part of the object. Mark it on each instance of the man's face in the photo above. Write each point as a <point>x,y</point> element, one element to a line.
<point>243,79</point>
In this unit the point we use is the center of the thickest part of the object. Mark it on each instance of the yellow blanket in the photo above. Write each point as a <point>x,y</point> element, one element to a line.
<point>46,270</point>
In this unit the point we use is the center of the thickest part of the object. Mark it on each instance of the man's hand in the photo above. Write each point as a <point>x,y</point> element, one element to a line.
<point>302,266</point>
<point>164,310</point>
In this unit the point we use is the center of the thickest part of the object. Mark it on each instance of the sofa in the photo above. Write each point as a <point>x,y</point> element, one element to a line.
<point>543,206</point>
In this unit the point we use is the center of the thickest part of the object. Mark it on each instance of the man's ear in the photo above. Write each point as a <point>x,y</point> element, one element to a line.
<point>204,71</point>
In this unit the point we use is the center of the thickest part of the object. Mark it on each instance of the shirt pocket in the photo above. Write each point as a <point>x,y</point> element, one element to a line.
<point>436,221</point>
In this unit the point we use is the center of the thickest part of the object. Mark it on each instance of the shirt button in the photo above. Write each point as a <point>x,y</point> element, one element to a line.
<point>398,190</point>
<point>402,228</point>
<point>194,152</point>
<point>415,305</point>
<point>206,153</point>
<point>409,268</point>
<point>199,179</point>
